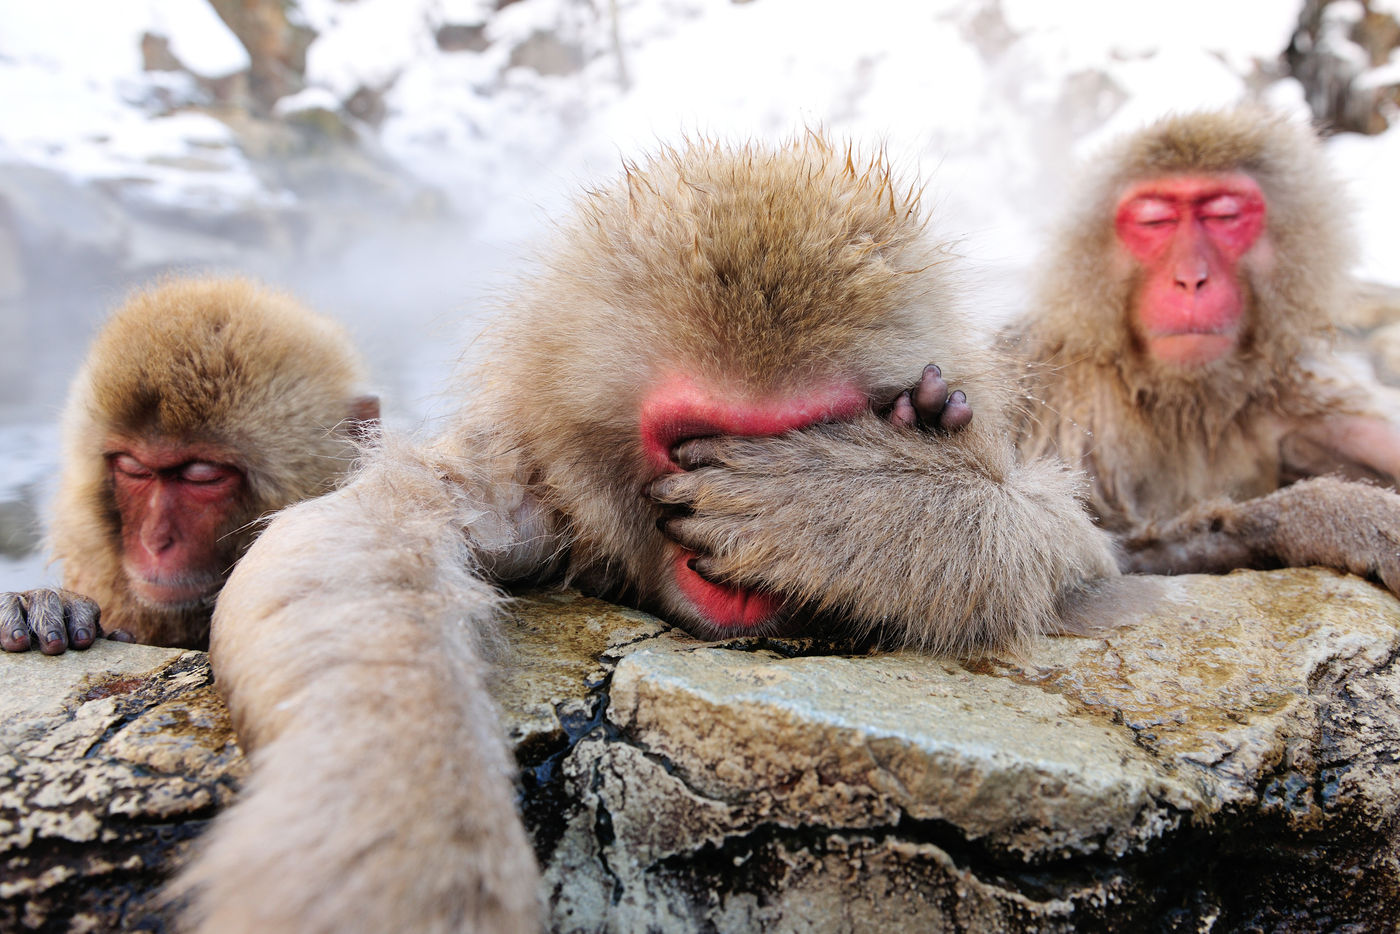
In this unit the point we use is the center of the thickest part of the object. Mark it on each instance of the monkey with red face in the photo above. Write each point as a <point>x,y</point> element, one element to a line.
<point>1179,355</point>
<point>204,404</point>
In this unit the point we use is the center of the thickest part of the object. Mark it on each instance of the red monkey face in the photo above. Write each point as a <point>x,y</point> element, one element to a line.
<point>1189,234</point>
<point>177,505</point>
<point>681,409</point>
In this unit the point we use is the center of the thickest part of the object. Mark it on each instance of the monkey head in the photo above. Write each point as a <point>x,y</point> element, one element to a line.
<point>1208,247</point>
<point>742,292</point>
<point>203,405</point>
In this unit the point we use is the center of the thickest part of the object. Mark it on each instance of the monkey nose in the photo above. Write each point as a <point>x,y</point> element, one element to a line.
<point>1191,276</point>
<point>156,539</point>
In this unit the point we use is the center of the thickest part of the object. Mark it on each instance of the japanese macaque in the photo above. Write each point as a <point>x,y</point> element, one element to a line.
<point>712,402</point>
<point>203,405</point>
<point>1178,354</point>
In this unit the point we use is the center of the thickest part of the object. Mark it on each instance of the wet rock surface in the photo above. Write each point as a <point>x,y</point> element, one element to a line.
<point>1224,756</point>
<point>111,761</point>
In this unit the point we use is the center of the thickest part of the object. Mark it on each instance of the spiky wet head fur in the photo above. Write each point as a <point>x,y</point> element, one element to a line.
<point>203,360</point>
<point>751,271</point>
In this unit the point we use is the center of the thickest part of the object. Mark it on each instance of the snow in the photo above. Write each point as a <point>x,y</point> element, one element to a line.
<point>990,103</point>
<point>73,96</point>
<point>1369,164</point>
<point>367,44</point>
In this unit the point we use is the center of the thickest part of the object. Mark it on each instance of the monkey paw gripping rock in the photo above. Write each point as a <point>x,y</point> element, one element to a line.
<point>111,761</point>
<point>1224,757</point>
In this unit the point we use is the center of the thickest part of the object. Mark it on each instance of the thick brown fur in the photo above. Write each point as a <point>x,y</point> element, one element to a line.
<point>206,360</point>
<point>350,642</point>
<point>1180,458</point>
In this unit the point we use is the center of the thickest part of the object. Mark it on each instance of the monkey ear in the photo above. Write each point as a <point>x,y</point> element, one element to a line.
<point>363,417</point>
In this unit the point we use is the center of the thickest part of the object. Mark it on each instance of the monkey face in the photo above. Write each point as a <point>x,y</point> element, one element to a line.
<point>177,507</point>
<point>1189,235</point>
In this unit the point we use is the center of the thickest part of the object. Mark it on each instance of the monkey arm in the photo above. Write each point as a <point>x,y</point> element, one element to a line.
<point>929,538</point>
<point>349,645</point>
<point>1353,446</point>
<point>1326,521</point>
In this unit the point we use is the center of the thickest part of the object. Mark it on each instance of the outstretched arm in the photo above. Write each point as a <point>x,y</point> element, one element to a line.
<point>349,645</point>
<point>942,540</point>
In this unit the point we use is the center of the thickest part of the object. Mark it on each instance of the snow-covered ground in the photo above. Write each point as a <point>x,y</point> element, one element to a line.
<point>990,102</point>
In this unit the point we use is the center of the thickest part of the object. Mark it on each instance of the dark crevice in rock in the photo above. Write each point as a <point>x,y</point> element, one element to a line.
<point>604,834</point>
<point>821,638</point>
<point>122,882</point>
<point>1245,878</point>
<point>545,802</point>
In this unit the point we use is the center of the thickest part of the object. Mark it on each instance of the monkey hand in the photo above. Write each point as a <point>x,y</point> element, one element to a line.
<point>803,514</point>
<point>929,405</point>
<point>918,535</point>
<point>50,618</point>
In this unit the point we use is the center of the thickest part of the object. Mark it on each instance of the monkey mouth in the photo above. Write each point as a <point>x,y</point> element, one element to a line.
<point>725,606</point>
<point>173,593</point>
<point>1192,348</point>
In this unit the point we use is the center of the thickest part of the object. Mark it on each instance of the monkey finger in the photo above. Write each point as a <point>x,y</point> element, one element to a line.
<point>120,635</point>
<point>84,620</point>
<point>931,395</point>
<point>903,414</point>
<point>957,414</point>
<point>707,567</point>
<point>697,452</point>
<point>14,627</point>
<point>672,489</point>
<point>46,621</point>
<point>685,532</point>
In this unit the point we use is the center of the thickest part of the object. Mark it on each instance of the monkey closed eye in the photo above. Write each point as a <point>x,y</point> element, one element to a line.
<point>51,619</point>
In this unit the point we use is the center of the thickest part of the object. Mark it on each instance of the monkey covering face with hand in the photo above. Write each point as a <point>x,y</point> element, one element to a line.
<point>711,400</point>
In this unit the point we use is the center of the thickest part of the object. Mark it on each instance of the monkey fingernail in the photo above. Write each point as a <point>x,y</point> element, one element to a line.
<point>930,395</point>
<point>958,414</point>
<point>81,635</point>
